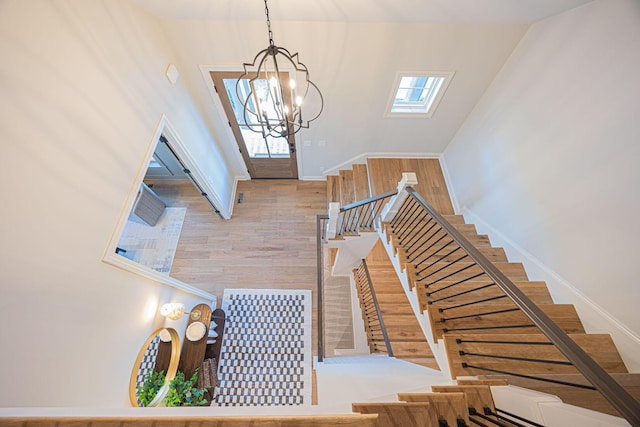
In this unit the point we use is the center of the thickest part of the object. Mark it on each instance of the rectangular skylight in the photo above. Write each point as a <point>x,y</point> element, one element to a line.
<point>418,94</point>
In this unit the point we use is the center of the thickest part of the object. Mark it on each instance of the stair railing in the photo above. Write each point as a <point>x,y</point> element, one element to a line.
<point>373,323</point>
<point>350,220</point>
<point>440,260</point>
<point>321,227</point>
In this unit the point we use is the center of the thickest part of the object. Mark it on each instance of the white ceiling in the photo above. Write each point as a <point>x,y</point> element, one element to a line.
<point>443,11</point>
<point>354,50</point>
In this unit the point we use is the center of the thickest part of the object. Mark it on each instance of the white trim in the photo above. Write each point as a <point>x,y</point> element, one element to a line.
<point>627,341</point>
<point>162,278</point>
<point>446,74</point>
<point>312,178</point>
<point>182,151</point>
<point>448,183</point>
<point>234,193</point>
<point>362,158</point>
<point>228,138</point>
<point>110,257</point>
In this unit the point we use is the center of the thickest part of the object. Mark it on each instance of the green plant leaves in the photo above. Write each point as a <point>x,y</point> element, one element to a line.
<point>153,381</point>
<point>183,393</point>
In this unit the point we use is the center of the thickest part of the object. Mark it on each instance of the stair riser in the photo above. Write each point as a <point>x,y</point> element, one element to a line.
<point>422,234</point>
<point>564,316</point>
<point>492,254</point>
<point>598,346</point>
<point>452,273</point>
<point>478,240</point>
<point>536,291</point>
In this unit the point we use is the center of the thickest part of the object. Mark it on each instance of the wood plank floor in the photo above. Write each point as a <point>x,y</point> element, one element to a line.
<point>269,243</point>
<point>384,175</point>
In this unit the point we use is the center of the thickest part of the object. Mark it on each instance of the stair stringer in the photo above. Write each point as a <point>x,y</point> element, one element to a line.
<point>437,347</point>
<point>351,251</point>
<point>549,410</point>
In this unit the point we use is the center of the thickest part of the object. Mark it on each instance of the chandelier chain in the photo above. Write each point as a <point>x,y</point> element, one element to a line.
<point>266,12</point>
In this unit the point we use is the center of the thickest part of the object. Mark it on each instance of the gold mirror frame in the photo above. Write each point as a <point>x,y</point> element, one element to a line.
<point>171,370</point>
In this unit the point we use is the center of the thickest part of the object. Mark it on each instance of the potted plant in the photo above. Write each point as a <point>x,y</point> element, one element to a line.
<point>149,389</point>
<point>182,392</point>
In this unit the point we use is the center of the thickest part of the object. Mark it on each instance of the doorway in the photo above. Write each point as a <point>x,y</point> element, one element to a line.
<point>265,157</point>
<point>153,228</point>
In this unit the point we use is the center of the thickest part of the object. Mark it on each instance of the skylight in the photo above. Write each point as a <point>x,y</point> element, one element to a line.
<point>418,94</point>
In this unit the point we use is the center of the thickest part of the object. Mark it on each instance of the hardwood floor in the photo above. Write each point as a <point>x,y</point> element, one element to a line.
<point>269,243</point>
<point>384,175</point>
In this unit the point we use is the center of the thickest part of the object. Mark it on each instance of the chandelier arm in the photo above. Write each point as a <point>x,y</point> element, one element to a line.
<point>286,113</point>
<point>266,143</point>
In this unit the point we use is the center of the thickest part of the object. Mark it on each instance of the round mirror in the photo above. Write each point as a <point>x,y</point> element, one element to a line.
<point>156,365</point>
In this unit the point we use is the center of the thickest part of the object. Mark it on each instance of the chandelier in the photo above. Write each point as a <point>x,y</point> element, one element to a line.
<point>274,89</point>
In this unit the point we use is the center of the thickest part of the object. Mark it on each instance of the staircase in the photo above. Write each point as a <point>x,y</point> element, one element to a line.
<point>456,405</point>
<point>483,333</point>
<point>405,335</point>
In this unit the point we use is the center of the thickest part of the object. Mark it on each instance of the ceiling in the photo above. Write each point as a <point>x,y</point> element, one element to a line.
<point>442,11</point>
<point>354,50</point>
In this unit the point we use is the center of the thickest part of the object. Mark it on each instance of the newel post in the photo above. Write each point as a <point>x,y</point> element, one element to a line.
<point>391,209</point>
<point>332,224</point>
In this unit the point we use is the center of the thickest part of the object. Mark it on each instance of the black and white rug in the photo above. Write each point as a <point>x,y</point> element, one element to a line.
<point>266,348</point>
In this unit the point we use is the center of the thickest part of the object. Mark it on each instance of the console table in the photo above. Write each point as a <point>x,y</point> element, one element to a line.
<point>193,352</point>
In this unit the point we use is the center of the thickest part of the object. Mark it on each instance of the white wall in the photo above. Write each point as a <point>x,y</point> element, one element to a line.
<point>548,158</point>
<point>83,89</point>
<point>360,60</point>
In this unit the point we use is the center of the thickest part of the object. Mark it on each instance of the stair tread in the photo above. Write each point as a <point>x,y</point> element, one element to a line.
<point>401,333</point>
<point>491,253</point>
<point>333,189</point>
<point>450,272</point>
<point>454,219</point>
<point>411,349</point>
<point>478,396</point>
<point>393,414</point>
<point>564,315</point>
<point>599,346</point>
<point>536,291</point>
<point>361,181</point>
<point>347,189</point>
<point>450,407</point>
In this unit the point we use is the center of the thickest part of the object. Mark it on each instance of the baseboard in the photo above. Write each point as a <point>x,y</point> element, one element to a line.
<point>234,193</point>
<point>595,318</point>
<point>448,182</point>
<point>362,158</point>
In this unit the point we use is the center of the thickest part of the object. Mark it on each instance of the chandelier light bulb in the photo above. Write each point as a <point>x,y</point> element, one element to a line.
<point>299,101</point>
<point>292,84</point>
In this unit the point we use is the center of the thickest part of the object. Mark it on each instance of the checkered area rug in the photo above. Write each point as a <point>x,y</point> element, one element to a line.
<point>148,361</point>
<point>266,348</point>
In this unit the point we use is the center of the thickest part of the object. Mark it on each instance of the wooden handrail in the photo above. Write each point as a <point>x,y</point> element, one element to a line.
<point>368,200</point>
<point>619,398</point>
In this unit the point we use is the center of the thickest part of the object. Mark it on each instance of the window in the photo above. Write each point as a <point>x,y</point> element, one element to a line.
<point>257,146</point>
<point>418,94</point>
